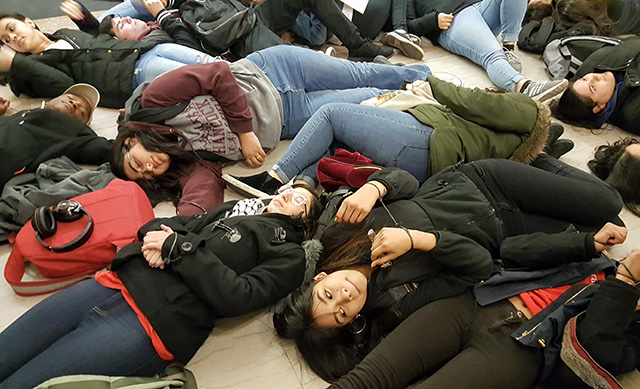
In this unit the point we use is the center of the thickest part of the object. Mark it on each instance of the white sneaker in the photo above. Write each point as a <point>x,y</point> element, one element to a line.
<point>544,90</point>
<point>401,40</point>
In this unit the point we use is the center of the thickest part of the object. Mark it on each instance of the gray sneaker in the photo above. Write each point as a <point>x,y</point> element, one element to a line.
<point>402,41</point>
<point>513,59</point>
<point>542,91</point>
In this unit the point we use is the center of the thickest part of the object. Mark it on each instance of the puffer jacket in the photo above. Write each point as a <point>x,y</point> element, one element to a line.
<point>624,57</point>
<point>104,62</point>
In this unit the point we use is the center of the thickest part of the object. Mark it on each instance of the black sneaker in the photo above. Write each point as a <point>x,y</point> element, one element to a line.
<point>369,50</point>
<point>402,41</point>
<point>385,61</point>
<point>260,185</point>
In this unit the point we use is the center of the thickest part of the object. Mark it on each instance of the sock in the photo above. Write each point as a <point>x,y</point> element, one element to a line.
<point>509,46</point>
<point>524,85</point>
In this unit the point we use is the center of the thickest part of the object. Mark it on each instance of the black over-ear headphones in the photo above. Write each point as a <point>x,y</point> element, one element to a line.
<point>44,224</point>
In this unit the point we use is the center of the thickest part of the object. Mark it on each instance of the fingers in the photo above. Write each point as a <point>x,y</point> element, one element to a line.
<point>72,9</point>
<point>166,228</point>
<point>444,21</point>
<point>153,258</point>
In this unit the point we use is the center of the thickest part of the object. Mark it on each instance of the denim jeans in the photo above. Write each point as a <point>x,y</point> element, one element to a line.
<point>311,29</point>
<point>86,329</point>
<point>127,8</point>
<point>390,138</point>
<point>473,35</point>
<point>165,57</point>
<point>307,80</point>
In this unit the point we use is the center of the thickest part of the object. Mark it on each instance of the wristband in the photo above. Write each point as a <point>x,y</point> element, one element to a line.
<point>375,186</point>
<point>408,233</point>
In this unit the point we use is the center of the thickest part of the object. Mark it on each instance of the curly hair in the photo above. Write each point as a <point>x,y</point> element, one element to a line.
<point>619,169</point>
<point>574,108</point>
<point>588,16</point>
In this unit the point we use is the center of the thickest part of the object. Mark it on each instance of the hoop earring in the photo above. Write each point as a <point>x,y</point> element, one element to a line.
<point>357,325</point>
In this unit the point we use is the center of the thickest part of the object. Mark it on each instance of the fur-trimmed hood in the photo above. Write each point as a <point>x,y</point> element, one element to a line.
<point>530,148</point>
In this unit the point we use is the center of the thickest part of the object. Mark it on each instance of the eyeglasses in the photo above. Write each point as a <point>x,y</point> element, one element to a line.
<point>138,168</point>
<point>297,198</point>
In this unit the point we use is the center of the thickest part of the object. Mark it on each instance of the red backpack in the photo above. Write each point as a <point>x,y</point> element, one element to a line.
<point>118,211</point>
<point>345,168</point>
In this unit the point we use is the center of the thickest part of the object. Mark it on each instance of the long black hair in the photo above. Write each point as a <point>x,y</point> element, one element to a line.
<point>333,352</point>
<point>619,169</point>
<point>588,16</point>
<point>154,138</point>
<point>575,109</point>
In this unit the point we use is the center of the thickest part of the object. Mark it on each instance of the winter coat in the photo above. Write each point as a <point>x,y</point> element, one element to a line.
<point>218,268</point>
<point>104,62</point>
<point>28,138</point>
<point>471,125</point>
<point>624,57</point>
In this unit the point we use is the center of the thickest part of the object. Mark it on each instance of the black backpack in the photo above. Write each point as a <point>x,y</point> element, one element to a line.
<point>537,34</point>
<point>564,56</point>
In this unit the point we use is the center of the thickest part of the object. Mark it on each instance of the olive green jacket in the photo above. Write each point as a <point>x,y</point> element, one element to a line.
<point>472,124</point>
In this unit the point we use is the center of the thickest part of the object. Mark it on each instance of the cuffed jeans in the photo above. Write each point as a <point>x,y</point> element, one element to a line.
<point>473,32</point>
<point>86,329</point>
<point>307,80</point>
<point>390,138</point>
<point>166,57</point>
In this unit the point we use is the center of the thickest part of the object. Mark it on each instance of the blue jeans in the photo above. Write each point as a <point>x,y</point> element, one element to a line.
<point>307,80</point>
<point>473,35</point>
<point>86,329</point>
<point>134,9</point>
<point>309,28</point>
<point>165,57</point>
<point>390,138</point>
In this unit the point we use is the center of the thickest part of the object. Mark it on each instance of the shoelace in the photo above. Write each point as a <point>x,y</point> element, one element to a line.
<point>511,56</point>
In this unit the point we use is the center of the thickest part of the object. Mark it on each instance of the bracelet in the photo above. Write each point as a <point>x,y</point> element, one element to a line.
<point>375,186</point>
<point>408,233</point>
<point>173,246</point>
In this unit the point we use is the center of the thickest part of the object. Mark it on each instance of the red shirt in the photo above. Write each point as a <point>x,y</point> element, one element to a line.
<point>537,300</point>
<point>110,280</point>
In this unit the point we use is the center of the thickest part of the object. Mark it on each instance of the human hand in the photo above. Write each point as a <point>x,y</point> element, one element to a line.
<point>152,246</point>
<point>444,21</point>
<point>6,57</point>
<point>629,268</point>
<point>252,149</point>
<point>4,105</point>
<point>357,206</point>
<point>389,244</point>
<point>72,9</point>
<point>154,6</point>
<point>609,235</point>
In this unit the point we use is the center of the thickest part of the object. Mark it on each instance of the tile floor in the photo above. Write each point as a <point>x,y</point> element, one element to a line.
<point>245,352</point>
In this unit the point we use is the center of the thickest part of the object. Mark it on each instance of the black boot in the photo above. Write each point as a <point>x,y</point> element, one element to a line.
<point>369,50</point>
<point>559,148</point>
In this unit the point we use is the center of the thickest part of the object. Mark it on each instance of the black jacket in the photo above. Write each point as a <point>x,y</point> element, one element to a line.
<point>624,57</point>
<point>104,62</point>
<point>468,233</point>
<point>28,138</point>
<point>211,274</point>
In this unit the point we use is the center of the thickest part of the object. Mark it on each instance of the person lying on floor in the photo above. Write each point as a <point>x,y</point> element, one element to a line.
<point>159,302</point>
<point>59,127</point>
<point>272,19</point>
<point>45,65</point>
<point>466,125</point>
<point>605,89</point>
<point>441,239</point>
<point>589,330</point>
<point>235,111</point>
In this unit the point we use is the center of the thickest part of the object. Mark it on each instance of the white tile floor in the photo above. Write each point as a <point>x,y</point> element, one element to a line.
<point>244,352</point>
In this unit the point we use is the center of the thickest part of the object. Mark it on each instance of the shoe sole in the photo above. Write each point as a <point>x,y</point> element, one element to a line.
<point>243,189</point>
<point>409,48</point>
<point>551,93</point>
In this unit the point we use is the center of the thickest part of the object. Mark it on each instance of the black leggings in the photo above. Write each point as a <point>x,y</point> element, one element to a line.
<point>456,345</point>
<point>543,200</point>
